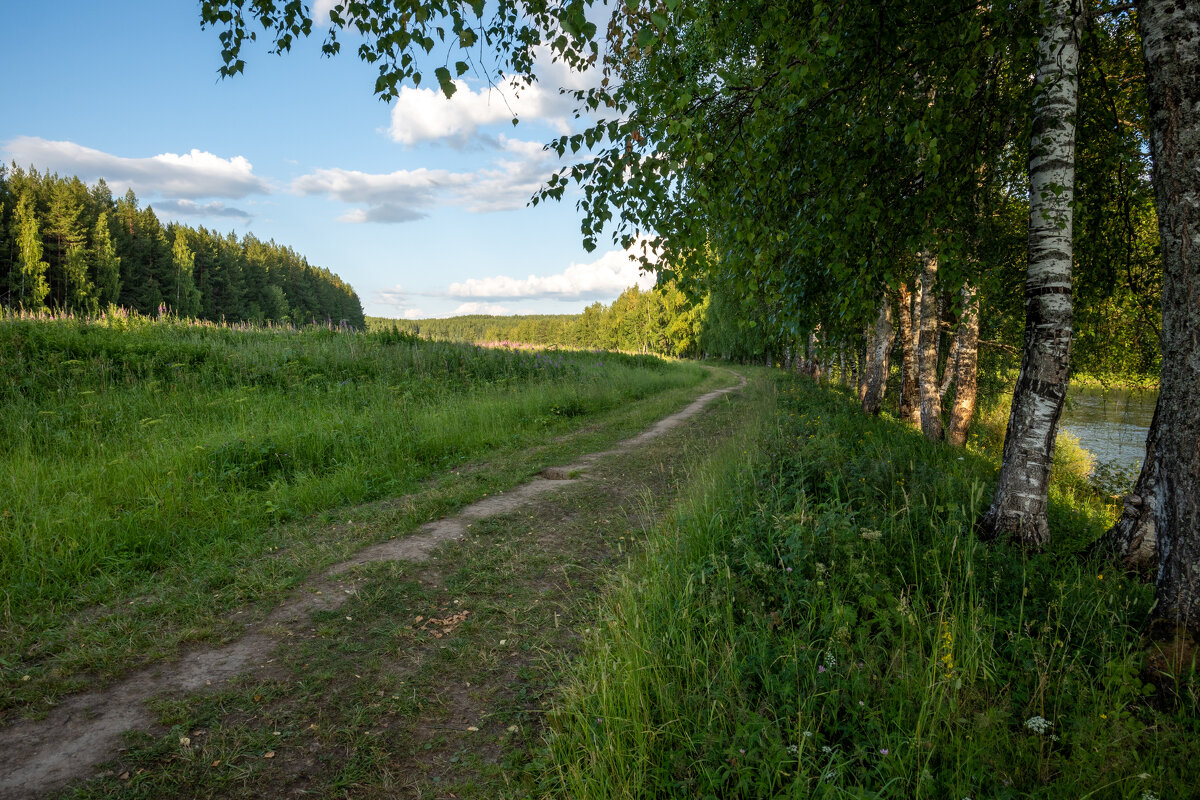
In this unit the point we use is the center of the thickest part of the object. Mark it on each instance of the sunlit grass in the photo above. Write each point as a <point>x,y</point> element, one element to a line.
<point>137,452</point>
<point>822,622</point>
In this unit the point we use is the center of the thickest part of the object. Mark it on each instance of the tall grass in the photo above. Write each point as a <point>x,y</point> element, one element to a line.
<point>820,621</point>
<point>130,447</point>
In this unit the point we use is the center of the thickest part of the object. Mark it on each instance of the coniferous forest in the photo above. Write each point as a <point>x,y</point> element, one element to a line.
<point>68,246</point>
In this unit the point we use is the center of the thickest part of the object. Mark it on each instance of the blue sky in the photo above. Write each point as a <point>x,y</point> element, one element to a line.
<point>420,204</point>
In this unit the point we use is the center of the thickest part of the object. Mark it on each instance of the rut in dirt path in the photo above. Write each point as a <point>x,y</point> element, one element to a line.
<point>83,730</point>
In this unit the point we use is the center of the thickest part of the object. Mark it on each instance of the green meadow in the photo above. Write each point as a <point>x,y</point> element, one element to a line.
<point>153,470</point>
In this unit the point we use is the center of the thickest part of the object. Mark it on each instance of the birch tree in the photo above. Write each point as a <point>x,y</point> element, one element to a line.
<point>1171,47</point>
<point>910,399</point>
<point>882,336</point>
<point>1018,506</point>
<point>927,347</point>
<point>965,361</point>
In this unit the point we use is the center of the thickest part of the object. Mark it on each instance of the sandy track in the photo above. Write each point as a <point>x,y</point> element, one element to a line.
<point>39,756</point>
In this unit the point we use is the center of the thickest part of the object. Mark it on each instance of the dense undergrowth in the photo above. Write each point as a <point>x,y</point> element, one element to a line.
<point>820,621</point>
<point>141,456</point>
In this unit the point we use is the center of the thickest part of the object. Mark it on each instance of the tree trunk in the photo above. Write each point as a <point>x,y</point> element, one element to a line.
<point>950,371</point>
<point>842,364</point>
<point>1133,540</point>
<point>864,364</point>
<point>813,361</point>
<point>881,349</point>
<point>1170,40</point>
<point>910,400</point>
<point>1019,504</point>
<point>927,356</point>
<point>966,363</point>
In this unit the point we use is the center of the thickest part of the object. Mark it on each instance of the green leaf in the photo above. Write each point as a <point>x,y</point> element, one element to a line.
<point>461,67</point>
<point>443,76</point>
<point>645,37</point>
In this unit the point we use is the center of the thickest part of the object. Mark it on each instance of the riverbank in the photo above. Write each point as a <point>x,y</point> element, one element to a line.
<point>821,621</point>
<point>1108,380</point>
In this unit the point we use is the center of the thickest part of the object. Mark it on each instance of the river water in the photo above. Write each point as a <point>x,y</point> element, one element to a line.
<point>1111,423</point>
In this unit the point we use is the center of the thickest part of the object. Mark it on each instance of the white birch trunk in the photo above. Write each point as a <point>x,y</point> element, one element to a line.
<point>1171,45</point>
<point>927,355</point>
<point>1019,504</point>
<point>881,348</point>
<point>910,395</point>
<point>966,368</point>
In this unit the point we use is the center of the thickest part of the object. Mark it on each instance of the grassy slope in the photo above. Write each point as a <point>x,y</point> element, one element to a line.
<point>161,476</point>
<point>821,622</point>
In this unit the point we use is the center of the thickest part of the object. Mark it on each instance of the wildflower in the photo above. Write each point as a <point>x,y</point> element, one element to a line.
<point>883,751</point>
<point>826,749</point>
<point>1149,795</point>
<point>808,734</point>
<point>871,536</point>
<point>947,649</point>
<point>830,661</point>
<point>820,668</point>
<point>1038,724</point>
<point>793,748</point>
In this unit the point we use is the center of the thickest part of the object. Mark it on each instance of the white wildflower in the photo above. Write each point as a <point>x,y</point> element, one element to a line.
<point>1038,724</point>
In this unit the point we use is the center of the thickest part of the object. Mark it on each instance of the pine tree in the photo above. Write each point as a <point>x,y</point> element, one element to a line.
<point>63,233</point>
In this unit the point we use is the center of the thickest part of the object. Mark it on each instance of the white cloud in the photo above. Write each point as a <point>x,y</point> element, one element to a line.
<point>602,279</point>
<point>495,309</point>
<point>397,299</point>
<point>421,115</point>
<point>321,9</point>
<point>407,195</point>
<point>188,176</point>
<point>190,208</point>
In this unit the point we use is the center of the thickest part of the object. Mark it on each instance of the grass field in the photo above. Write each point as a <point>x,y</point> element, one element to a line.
<point>820,621</point>
<point>159,474</point>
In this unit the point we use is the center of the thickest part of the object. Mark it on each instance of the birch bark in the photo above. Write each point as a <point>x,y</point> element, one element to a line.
<point>950,371</point>
<point>910,401</point>
<point>966,368</point>
<point>1171,46</point>
<point>1132,539</point>
<point>881,349</point>
<point>1019,504</point>
<point>927,357</point>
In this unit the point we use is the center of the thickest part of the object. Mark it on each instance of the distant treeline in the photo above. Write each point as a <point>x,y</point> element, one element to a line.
<point>659,321</point>
<point>66,245</point>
